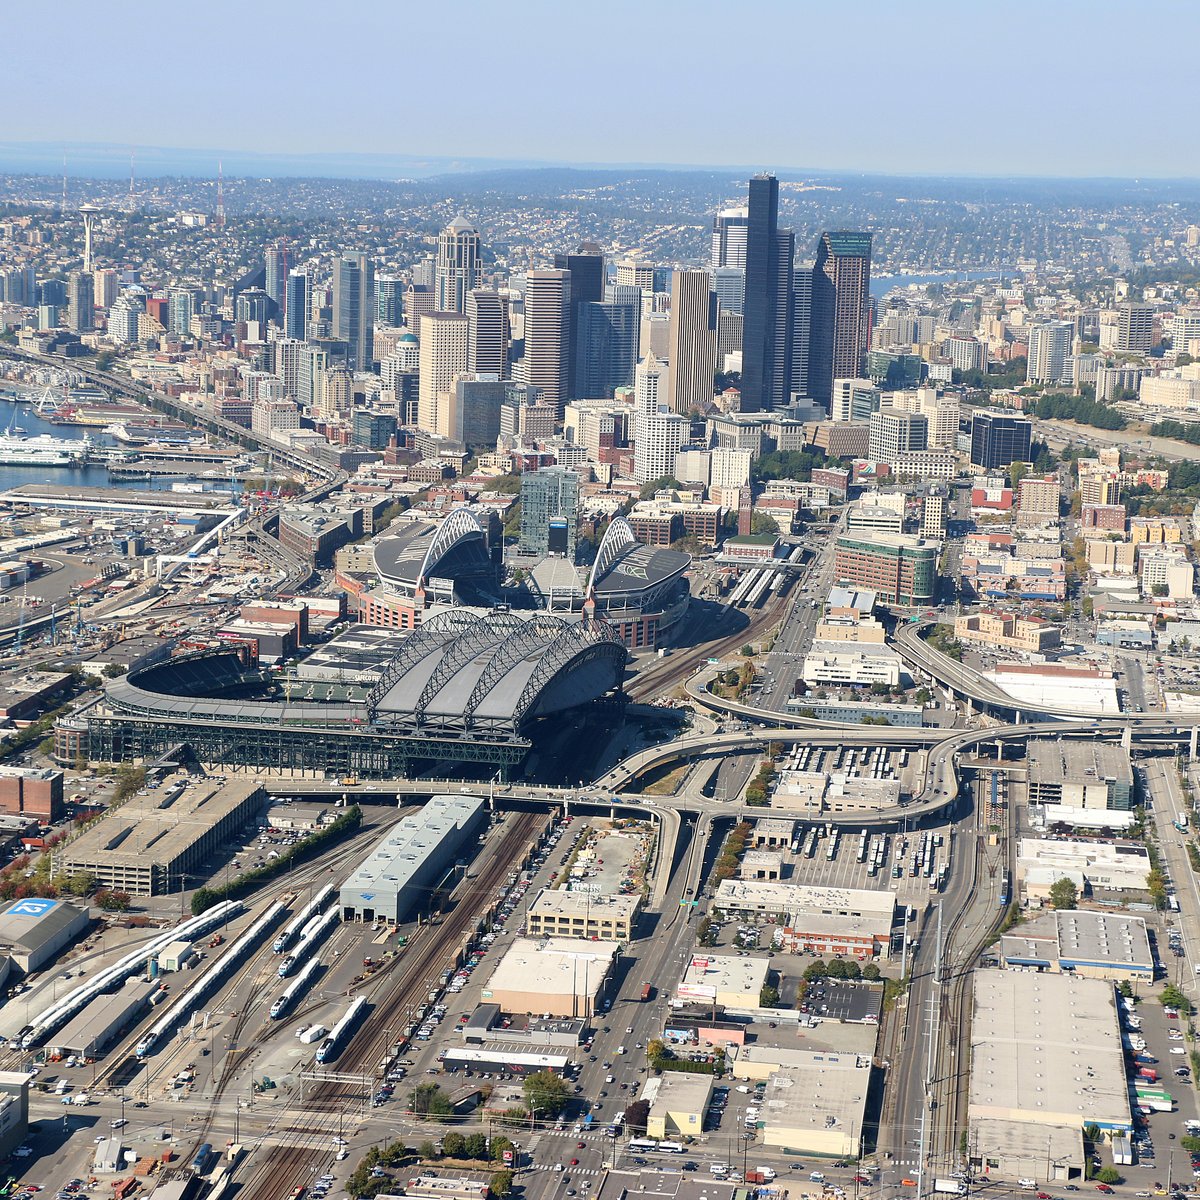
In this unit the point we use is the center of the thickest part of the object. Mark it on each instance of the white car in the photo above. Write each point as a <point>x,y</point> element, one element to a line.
<point>1178,1050</point>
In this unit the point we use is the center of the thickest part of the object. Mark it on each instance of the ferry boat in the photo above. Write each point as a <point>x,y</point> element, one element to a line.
<point>41,451</point>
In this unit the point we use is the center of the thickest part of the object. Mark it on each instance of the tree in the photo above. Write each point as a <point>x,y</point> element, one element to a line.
<point>1064,894</point>
<point>113,671</point>
<point>545,1093</point>
<point>428,1100</point>
<point>499,1146</point>
<point>662,483</point>
<point>636,1116</point>
<point>1125,989</point>
<point>427,1150</point>
<point>1109,1175</point>
<point>501,1183</point>
<point>871,972</point>
<point>475,1145</point>
<point>815,970</point>
<point>768,996</point>
<point>454,1145</point>
<point>1172,997</point>
<point>80,883</point>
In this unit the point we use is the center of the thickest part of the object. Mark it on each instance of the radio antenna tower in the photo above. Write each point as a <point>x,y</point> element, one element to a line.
<point>63,210</point>
<point>220,196</point>
<point>132,194</point>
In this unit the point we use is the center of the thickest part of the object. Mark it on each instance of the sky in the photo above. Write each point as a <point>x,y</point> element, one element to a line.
<point>1015,87</point>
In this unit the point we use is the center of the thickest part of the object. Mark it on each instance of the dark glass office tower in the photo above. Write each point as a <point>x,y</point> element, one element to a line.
<point>295,314</point>
<point>586,268</point>
<point>606,345</point>
<point>841,311</point>
<point>766,333</point>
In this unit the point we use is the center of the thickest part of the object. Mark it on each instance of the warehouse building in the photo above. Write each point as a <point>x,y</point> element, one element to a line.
<point>678,1102</point>
<point>559,913</point>
<point>1092,945</point>
<point>1079,774</point>
<point>34,930</point>
<point>1091,864</point>
<point>565,977</point>
<point>32,792</point>
<point>93,1029</point>
<point>14,1110</point>
<point>817,1108</point>
<point>410,858</point>
<point>1046,1061</point>
<point>154,842</point>
<point>726,980</point>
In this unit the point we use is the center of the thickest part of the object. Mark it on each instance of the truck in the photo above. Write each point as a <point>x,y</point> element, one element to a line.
<point>951,1187</point>
<point>1148,1073</point>
<point>647,991</point>
<point>1122,1150</point>
<point>314,1033</point>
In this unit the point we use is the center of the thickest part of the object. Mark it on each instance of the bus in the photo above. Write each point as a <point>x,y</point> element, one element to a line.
<point>649,1145</point>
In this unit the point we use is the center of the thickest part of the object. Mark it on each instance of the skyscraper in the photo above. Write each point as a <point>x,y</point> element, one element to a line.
<point>181,305</point>
<point>353,284</point>
<point>729,231</point>
<point>389,300</point>
<point>586,268</point>
<point>841,314</point>
<point>81,304</point>
<point>606,344</point>
<point>692,341</point>
<point>1050,352</point>
<point>547,324</point>
<point>998,439</point>
<point>730,285</point>
<point>549,512</point>
<point>443,357</point>
<point>457,270</point>
<point>766,329</point>
<point>295,306</point>
<point>1135,328</point>
<point>802,293</point>
<point>418,300</point>
<point>275,263</point>
<point>487,346</point>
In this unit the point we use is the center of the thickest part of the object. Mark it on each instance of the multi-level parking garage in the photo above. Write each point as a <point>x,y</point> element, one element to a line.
<point>469,686</point>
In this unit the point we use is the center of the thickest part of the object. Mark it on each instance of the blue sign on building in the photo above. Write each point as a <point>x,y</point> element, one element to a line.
<point>32,908</point>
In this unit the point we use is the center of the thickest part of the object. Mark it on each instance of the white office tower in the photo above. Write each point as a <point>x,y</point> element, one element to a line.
<point>659,433</point>
<point>1050,352</point>
<point>443,357</point>
<point>457,271</point>
<point>730,229</point>
<point>692,341</point>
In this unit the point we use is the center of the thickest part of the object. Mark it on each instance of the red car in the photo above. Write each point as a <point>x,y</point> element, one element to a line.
<point>574,1162</point>
<point>1103,1187</point>
<point>580,1145</point>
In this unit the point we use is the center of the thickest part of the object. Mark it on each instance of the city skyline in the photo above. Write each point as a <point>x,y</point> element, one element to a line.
<point>950,54</point>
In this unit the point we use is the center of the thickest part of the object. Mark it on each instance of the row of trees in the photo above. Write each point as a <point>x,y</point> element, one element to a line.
<point>471,1147</point>
<point>731,852</point>
<point>1058,406</point>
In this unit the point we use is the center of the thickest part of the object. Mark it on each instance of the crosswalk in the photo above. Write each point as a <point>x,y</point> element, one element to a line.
<point>565,1169</point>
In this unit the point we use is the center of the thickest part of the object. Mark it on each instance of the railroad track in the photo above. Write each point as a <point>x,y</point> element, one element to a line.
<point>682,663</point>
<point>286,1167</point>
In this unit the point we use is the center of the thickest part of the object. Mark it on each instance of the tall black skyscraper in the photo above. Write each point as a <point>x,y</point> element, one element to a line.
<point>295,313</point>
<point>586,265</point>
<point>606,346</point>
<point>766,335</point>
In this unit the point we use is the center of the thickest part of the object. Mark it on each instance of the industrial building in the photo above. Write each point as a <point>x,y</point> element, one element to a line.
<point>726,980</point>
<point>1079,774</point>
<point>156,840</point>
<point>93,1029</point>
<point>1091,864</point>
<point>34,930</point>
<point>1090,944</point>
<point>32,792</point>
<point>565,977</point>
<point>817,1108</point>
<point>1046,1061</point>
<point>556,912</point>
<point>678,1102</point>
<point>410,859</point>
<point>14,1110</point>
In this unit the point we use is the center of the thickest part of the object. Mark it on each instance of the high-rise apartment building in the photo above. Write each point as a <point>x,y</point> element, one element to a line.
<point>443,357</point>
<point>353,311</point>
<point>181,307</point>
<point>81,305</point>
<point>105,286</point>
<point>761,390</point>
<point>1050,352</point>
<point>389,300</point>
<point>547,329</point>
<point>1135,328</point>
<point>549,512</point>
<point>729,233</point>
<point>606,344</point>
<point>802,295</point>
<point>457,270</point>
<point>275,263</point>
<point>841,310</point>
<point>295,305</point>
<point>692,341</point>
<point>487,346</point>
<point>998,439</point>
